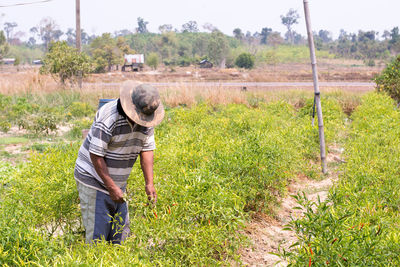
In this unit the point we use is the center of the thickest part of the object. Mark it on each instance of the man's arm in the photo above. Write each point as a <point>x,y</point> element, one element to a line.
<point>146,162</point>
<point>102,170</point>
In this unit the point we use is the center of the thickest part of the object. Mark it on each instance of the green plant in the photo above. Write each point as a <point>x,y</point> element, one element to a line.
<point>65,62</point>
<point>358,225</point>
<point>152,60</point>
<point>245,60</point>
<point>389,80</point>
<point>215,167</point>
<point>80,109</point>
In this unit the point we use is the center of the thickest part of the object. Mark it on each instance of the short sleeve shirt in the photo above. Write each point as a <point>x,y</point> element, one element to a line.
<point>116,139</point>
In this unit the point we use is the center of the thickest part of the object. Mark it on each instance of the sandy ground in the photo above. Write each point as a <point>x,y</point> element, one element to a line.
<point>267,234</point>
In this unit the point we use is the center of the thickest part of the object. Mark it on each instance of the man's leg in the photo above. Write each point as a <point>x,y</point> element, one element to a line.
<point>87,198</point>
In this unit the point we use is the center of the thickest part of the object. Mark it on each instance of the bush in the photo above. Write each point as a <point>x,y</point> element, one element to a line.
<point>152,60</point>
<point>389,80</point>
<point>245,60</point>
<point>80,109</point>
<point>66,62</point>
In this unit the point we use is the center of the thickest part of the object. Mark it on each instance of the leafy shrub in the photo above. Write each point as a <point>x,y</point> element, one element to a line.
<point>358,225</point>
<point>245,60</point>
<point>389,80</point>
<point>78,126</point>
<point>65,62</point>
<point>152,60</point>
<point>80,109</point>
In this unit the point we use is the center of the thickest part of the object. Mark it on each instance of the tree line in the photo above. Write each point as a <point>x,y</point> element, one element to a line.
<point>188,45</point>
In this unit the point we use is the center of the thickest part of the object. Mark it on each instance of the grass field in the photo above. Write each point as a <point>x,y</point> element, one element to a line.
<point>223,156</point>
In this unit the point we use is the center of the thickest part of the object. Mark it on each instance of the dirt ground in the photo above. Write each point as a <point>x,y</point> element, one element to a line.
<point>267,234</point>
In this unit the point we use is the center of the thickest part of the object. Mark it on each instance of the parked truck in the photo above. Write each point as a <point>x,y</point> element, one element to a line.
<point>134,61</point>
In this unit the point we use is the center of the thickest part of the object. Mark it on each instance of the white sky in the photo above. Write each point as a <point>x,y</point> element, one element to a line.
<point>98,16</point>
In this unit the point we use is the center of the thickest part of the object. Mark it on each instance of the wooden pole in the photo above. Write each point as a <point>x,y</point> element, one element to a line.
<point>78,26</point>
<point>316,87</point>
<point>78,39</point>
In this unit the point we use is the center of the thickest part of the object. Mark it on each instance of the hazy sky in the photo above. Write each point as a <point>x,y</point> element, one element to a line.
<point>100,16</point>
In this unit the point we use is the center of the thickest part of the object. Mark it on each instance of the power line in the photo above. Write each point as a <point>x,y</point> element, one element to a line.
<point>26,3</point>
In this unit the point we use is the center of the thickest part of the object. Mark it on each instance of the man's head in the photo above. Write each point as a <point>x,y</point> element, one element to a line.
<point>142,103</point>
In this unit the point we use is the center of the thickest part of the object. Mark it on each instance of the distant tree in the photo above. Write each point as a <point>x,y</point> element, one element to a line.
<point>123,46</point>
<point>238,34</point>
<point>290,19</point>
<point>142,25</point>
<point>209,27</point>
<point>386,35</point>
<point>9,28</point>
<point>217,47</point>
<point>65,62</point>
<point>325,36</point>
<point>105,52</point>
<point>165,28</point>
<point>264,35</point>
<point>3,46</point>
<point>200,44</point>
<point>48,31</point>
<point>274,39</point>
<point>366,36</point>
<point>394,42</point>
<point>245,60</point>
<point>190,26</point>
<point>394,35</point>
<point>32,39</point>
<point>152,60</point>
<point>123,32</point>
<point>71,36</point>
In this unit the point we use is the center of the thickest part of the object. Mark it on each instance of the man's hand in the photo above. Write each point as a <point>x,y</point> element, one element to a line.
<point>116,194</point>
<point>151,193</point>
<point>146,162</point>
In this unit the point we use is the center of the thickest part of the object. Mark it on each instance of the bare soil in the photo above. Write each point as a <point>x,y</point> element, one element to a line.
<point>267,234</point>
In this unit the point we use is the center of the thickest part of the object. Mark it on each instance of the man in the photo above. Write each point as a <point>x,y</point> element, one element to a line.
<point>122,131</point>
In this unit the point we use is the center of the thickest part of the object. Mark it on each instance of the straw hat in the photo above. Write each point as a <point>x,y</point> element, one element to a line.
<point>141,103</point>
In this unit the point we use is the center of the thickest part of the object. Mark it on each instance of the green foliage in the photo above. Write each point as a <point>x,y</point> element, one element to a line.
<point>389,80</point>
<point>80,109</point>
<point>78,126</point>
<point>25,54</point>
<point>245,60</point>
<point>105,52</point>
<point>214,167</point>
<point>65,62</point>
<point>217,47</point>
<point>358,225</point>
<point>152,60</point>
<point>3,45</point>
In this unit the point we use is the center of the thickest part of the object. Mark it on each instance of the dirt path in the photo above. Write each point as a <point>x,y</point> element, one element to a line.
<point>267,234</point>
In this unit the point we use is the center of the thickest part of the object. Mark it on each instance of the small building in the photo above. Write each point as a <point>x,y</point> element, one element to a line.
<point>37,62</point>
<point>205,64</point>
<point>8,61</point>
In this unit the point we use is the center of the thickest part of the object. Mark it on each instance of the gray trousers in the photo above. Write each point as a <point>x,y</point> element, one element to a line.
<point>102,217</point>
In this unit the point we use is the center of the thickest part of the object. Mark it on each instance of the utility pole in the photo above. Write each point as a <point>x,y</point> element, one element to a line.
<point>317,96</point>
<point>78,25</point>
<point>78,35</point>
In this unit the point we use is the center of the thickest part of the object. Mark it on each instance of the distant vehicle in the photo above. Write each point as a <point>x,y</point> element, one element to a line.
<point>8,61</point>
<point>205,64</point>
<point>134,61</point>
<point>37,62</point>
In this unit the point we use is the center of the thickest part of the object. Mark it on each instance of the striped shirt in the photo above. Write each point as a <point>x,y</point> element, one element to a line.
<point>118,141</point>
